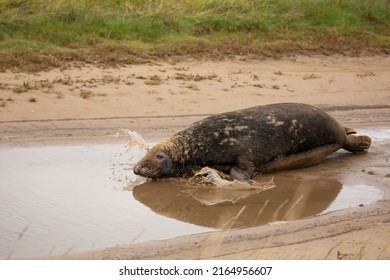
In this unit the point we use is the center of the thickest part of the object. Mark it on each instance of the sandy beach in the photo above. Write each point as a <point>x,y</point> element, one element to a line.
<point>86,103</point>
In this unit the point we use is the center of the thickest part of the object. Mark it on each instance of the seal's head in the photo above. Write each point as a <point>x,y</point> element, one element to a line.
<point>154,165</point>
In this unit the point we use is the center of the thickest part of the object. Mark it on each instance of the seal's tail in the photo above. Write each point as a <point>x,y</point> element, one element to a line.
<point>356,143</point>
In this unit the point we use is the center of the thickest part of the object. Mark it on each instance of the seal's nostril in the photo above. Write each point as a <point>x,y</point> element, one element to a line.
<point>137,168</point>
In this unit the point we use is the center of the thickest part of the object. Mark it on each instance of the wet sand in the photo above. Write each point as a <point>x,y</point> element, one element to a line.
<point>92,104</point>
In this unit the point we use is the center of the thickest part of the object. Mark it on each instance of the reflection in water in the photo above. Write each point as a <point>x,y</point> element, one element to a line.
<point>292,198</point>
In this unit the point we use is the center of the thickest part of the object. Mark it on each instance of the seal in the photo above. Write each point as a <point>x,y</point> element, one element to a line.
<point>252,141</point>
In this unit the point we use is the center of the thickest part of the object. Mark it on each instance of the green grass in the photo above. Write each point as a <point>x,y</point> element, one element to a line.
<point>39,34</point>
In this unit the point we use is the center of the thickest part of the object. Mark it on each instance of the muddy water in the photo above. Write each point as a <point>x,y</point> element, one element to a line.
<point>56,200</point>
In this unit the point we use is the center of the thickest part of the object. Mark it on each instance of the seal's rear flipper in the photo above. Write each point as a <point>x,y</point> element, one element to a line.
<point>357,144</point>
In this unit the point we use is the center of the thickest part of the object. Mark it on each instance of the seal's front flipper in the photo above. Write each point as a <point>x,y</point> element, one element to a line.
<point>357,144</point>
<point>244,170</point>
<point>240,175</point>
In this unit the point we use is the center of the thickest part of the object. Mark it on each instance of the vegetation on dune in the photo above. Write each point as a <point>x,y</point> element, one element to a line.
<point>37,34</point>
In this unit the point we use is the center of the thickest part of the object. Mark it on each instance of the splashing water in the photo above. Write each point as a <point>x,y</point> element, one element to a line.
<point>221,189</point>
<point>218,179</point>
<point>123,163</point>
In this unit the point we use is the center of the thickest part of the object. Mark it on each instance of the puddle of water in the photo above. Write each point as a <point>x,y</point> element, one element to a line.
<point>60,199</point>
<point>67,198</point>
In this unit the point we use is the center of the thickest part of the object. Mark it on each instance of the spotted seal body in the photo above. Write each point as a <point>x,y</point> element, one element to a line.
<point>251,141</point>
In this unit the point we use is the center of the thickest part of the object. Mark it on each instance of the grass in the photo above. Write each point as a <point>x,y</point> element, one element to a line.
<point>38,34</point>
<point>17,241</point>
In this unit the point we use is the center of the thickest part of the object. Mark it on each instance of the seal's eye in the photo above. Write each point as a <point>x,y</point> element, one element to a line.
<point>163,163</point>
<point>159,157</point>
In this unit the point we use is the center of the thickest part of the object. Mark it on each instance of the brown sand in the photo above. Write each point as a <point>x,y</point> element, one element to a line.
<point>157,99</point>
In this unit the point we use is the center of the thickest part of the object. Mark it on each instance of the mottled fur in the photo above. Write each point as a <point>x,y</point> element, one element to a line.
<point>250,141</point>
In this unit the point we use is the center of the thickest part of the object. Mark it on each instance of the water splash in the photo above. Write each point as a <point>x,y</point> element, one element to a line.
<point>122,163</point>
<point>210,176</point>
<point>211,187</point>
